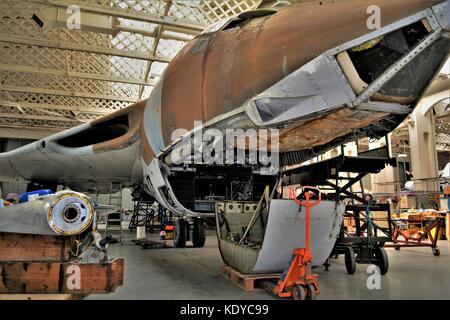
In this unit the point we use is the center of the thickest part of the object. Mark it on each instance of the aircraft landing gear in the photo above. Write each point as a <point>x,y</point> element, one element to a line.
<point>179,234</point>
<point>198,233</point>
<point>189,231</point>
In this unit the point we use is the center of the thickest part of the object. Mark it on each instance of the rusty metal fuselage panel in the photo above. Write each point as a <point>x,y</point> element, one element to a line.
<point>218,72</point>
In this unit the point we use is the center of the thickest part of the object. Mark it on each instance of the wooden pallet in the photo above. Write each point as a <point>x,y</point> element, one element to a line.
<point>247,282</point>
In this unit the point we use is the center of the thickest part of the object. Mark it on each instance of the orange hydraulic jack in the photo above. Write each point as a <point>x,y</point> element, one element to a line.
<point>298,281</point>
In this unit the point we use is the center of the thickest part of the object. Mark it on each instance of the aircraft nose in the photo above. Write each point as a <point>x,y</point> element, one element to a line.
<point>311,84</point>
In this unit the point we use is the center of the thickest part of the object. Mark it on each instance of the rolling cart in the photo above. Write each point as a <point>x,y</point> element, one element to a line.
<point>428,237</point>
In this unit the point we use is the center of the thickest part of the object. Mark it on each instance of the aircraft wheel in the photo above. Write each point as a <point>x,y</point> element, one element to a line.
<point>382,260</point>
<point>397,248</point>
<point>436,252</point>
<point>299,293</point>
<point>311,292</point>
<point>350,260</point>
<point>179,234</point>
<point>198,235</point>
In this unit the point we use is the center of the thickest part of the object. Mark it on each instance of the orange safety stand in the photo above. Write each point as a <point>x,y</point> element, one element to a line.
<point>298,281</point>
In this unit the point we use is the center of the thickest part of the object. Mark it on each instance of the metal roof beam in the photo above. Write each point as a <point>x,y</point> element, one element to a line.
<point>159,32</point>
<point>36,117</point>
<point>6,123</point>
<point>67,45</point>
<point>173,24</point>
<point>66,93</point>
<point>36,105</point>
<point>73,74</point>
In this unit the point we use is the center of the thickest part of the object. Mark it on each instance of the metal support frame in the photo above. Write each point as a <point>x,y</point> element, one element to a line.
<point>73,74</point>
<point>35,105</point>
<point>66,93</point>
<point>408,241</point>
<point>67,45</point>
<point>146,213</point>
<point>159,34</point>
<point>177,25</point>
<point>357,214</point>
<point>38,117</point>
<point>324,171</point>
<point>366,245</point>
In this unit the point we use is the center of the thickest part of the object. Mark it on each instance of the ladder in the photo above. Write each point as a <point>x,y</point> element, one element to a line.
<point>142,209</point>
<point>114,220</point>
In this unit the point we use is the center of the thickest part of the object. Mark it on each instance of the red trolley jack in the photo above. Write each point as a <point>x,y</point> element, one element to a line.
<point>298,281</point>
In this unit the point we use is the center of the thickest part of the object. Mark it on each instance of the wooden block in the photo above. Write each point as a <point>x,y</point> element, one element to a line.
<point>29,277</point>
<point>234,276</point>
<point>249,284</point>
<point>26,247</point>
<point>60,277</point>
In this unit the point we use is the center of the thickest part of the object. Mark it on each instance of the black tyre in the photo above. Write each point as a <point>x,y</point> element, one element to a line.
<point>198,234</point>
<point>350,260</point>
<point>436,252</point>
<point>311,292</point>
<point>397,248</point>
<point>299,293</point>
<point>382,260</point>
<point>179,234</point>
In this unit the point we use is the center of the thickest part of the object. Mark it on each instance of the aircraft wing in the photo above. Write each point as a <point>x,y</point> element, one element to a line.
<point>88,157</point>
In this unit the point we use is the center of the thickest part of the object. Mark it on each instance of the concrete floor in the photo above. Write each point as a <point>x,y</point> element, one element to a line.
<point>193,273</point>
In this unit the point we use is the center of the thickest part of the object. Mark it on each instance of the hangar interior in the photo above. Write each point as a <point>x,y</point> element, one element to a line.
<point>57,74</point>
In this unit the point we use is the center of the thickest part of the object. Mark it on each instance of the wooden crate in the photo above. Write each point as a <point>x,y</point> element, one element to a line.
<point>27,247</point>
<point>39,264</point>
<point>247,282</point>
<point>55,277</point>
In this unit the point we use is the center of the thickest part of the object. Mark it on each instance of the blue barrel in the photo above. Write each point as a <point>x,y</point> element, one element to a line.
<point>24,197</point>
